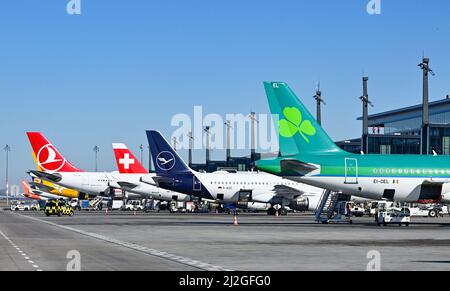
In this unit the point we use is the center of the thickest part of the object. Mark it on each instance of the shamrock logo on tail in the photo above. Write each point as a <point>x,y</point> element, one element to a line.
<point>294,123</point>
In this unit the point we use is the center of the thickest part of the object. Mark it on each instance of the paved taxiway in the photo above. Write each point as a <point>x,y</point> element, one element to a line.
<point>122,241</point>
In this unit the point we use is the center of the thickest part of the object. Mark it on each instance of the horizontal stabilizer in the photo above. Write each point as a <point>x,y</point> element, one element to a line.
<point>36,192</point>
<point>157,180</point>
<point>41,187</point>
<point>47,176</point>
<point>296,168</point>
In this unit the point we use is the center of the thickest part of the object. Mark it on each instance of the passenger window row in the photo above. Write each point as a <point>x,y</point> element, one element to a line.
<point>253,183</point>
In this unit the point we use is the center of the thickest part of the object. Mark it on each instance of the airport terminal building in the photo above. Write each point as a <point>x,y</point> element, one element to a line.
<point>391,132</point>
<point>399,131</point>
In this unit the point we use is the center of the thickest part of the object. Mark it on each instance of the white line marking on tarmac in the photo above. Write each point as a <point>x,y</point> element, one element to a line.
<point>148,251</point>
<point>24,255</point>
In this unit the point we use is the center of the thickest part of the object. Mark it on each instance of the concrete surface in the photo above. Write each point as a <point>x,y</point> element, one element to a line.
<point>258,243</point>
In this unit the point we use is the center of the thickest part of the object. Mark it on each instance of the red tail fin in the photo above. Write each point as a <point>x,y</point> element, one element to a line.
<point>28,193</point>
<point>26,187</point>
<point>126,161</point>
<point>47,156</point>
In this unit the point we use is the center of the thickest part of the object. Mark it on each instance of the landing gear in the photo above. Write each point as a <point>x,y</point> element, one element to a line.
<point>282,212</point>
<point>271,211</point>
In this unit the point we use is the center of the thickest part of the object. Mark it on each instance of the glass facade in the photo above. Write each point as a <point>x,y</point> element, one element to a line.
<point>236,163</point>
<point>401,130</point>
<point>408,126</point>
<point>394,145</point>
<point>412,125</point>
<point>440,140</point>
<point>440,118</point>
<point>351,148</point>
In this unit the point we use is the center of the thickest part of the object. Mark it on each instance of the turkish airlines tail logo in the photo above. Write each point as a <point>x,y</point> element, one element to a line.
<point>47,157</point>
<point>126,161</point>
<point>48,160</point>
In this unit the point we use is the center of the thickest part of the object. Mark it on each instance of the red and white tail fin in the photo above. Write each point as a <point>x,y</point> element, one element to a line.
<point>48,158</point>
<point>126,161</point>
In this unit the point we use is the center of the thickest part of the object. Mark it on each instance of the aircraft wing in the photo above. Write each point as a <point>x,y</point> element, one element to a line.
<point>287,192</point>
<point>127,185</point>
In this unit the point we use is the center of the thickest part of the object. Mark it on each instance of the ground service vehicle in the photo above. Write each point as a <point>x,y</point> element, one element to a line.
<point>389,215</point>
<point>20,207</point>
<point>133,205</point>
<point>58,207</point>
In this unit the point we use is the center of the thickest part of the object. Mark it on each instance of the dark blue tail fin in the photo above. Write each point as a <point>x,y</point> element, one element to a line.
<point>165,160</point>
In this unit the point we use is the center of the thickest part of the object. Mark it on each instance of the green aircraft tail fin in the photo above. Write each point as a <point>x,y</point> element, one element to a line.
<point>298,130</point>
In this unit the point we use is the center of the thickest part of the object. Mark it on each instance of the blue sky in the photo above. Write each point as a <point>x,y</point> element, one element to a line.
<point>126,66</point>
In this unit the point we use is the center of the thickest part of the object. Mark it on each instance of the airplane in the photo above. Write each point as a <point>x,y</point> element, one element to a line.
<point>128,164</point>
<point>54,168</point>
<point>240,188</point>
<point>35,194</point>
<point>52,188</point>
<point>308,155</point>
<point>56,190</point>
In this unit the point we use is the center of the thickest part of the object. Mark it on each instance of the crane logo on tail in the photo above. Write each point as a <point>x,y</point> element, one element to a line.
<point>165,161</point>
<point>49,160</point>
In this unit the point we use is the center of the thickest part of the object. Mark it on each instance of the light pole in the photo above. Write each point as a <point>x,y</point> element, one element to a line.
<point>319,101</point>
<point>229,127</point>
<point>207,133</point>
<point>253,120</point>
<point>96,151</point>
<point>425,138</point>
<point>149,159</point>
<point>175,143</point>
<point>7,149</point>
<point>366,103</point>
<point>191,141</point>
<point>141,148</point>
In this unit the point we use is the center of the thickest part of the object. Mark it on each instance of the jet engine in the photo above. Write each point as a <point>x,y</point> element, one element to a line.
<point>300,204</point>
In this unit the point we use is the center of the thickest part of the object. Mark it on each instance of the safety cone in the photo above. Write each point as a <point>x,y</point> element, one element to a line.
<point>235,220</point>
